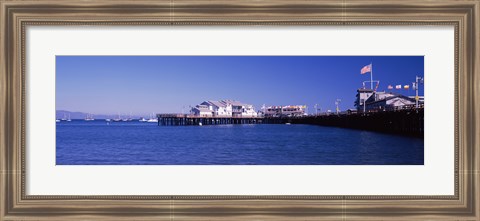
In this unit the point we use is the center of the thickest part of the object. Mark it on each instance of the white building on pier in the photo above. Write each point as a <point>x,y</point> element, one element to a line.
<point>202,111</point>
<point>287,111</point>
<point>224,108</point>
<point>218,108</point>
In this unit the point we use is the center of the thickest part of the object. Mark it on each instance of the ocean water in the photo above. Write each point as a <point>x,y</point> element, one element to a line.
<point>134,143</point>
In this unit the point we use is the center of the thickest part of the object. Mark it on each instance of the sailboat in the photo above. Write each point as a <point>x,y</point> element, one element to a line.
<point>129,118</point>
<point>117,119</point>
<point>89,117</point>
<point>69,119</point>
<point>152,119</point>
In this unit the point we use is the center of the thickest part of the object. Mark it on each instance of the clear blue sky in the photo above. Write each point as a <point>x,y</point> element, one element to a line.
<point>165,84</point>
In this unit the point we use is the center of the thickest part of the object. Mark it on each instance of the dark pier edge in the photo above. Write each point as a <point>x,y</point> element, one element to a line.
<point>402,122</point>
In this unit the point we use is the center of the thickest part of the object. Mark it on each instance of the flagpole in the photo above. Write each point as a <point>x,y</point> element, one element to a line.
<point>371,75</point>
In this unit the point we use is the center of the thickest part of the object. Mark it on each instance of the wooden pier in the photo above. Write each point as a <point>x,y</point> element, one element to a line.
<point>185,120</point>
<point>402,122</point>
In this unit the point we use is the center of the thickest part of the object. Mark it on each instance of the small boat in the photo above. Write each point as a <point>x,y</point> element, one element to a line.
<point>57,120</point>
<point>117,119</point>
<point>200,124</point>
<point>64,118</point>
<point>287,123</point>
<point>127,118</point>
<point>69,119</point>
<point>143,120</point>
<point>89,117</point>
<point>108,119</point>
<point>152,119</point>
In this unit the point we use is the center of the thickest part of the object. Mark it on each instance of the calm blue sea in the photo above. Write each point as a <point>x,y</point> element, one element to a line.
<point>134,143</point>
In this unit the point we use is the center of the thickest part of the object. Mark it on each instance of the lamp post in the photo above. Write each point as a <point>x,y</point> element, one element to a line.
<point>417,79</point>
<point>337,102</point>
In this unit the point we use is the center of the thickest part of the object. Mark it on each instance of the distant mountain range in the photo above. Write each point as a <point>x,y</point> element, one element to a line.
<point>59,114</point>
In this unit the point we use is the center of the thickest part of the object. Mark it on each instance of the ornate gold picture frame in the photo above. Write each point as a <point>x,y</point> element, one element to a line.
<point>16,15</point>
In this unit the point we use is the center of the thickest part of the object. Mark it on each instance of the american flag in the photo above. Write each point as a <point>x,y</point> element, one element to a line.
<point>366,69</point>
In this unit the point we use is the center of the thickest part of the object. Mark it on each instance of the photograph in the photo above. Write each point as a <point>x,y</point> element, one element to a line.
<point>239,110</point>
